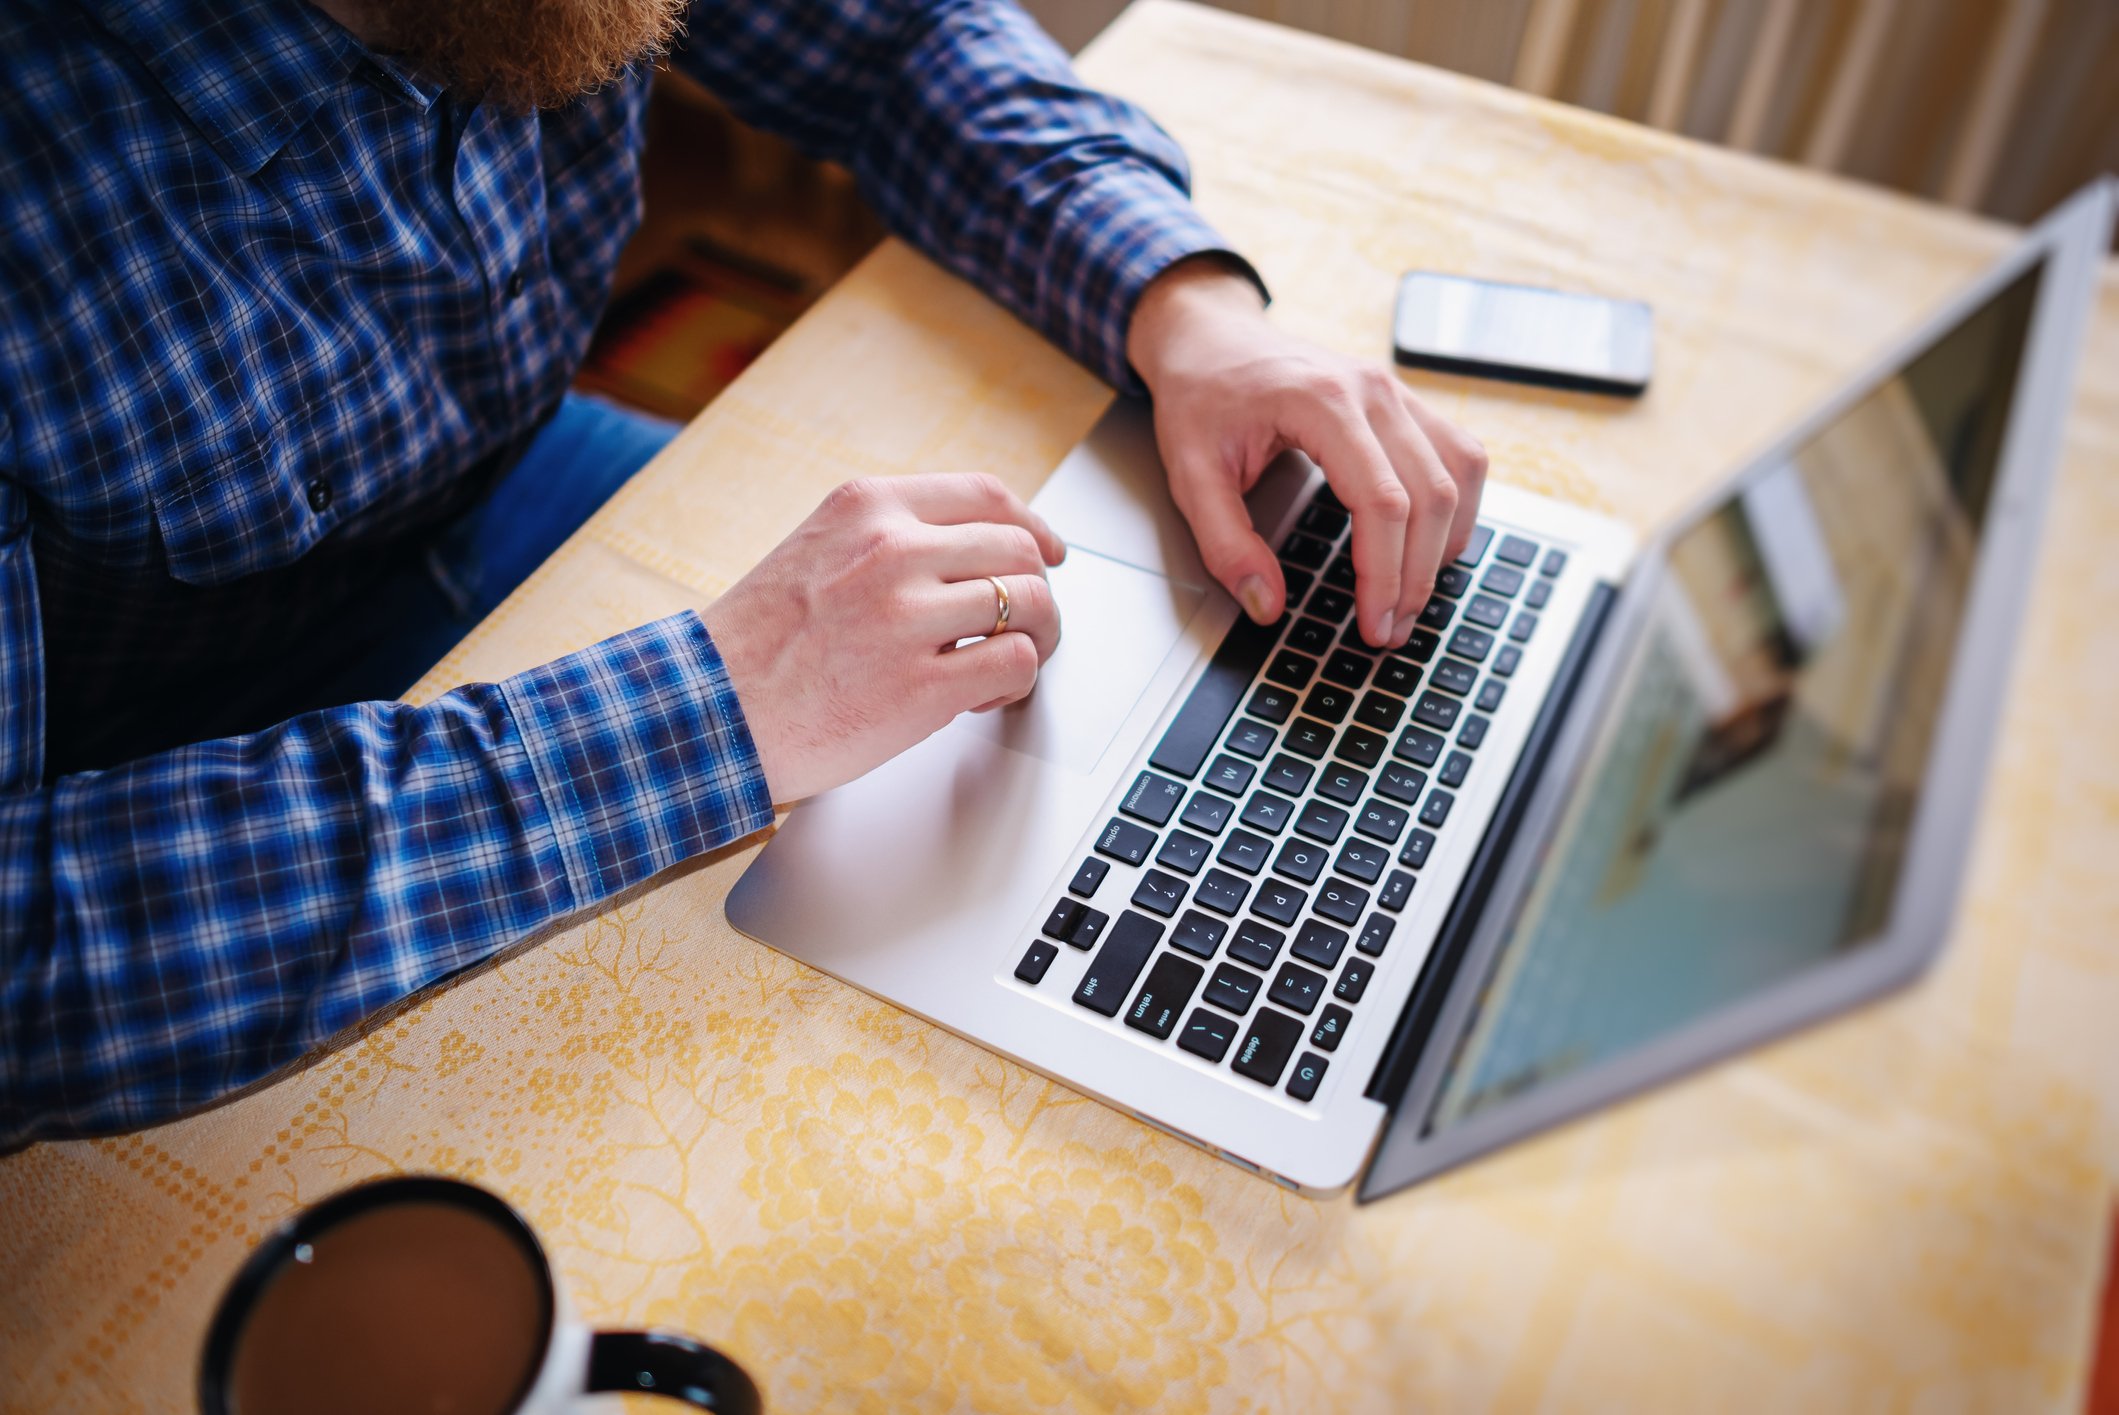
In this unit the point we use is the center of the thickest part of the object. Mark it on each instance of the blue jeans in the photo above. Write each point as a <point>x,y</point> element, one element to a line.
<point>585,453</point>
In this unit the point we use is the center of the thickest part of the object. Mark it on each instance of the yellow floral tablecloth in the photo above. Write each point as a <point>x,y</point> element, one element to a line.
<point>1906,1209</point>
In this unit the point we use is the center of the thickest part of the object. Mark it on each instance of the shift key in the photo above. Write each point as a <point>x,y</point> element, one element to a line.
<point>1163,997</point>
<point>1118,963</point>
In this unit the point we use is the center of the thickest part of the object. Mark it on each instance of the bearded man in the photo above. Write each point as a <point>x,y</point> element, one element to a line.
<point>290,299</point>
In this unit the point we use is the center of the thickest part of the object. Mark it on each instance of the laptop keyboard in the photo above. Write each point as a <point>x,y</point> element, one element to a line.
<point>1283,819</point>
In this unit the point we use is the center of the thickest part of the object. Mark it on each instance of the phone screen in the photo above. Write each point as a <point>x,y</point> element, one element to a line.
<point>1480,326</point>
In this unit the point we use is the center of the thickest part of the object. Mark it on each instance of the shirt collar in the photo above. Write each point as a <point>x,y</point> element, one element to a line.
<point>248,73</point>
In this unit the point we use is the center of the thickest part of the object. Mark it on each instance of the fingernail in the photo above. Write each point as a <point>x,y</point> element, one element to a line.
<point>1384,626</point>
<point>1251,594</point>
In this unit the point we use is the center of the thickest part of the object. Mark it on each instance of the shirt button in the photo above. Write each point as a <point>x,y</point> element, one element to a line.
<point>515,286</point>
<point>319,495</point>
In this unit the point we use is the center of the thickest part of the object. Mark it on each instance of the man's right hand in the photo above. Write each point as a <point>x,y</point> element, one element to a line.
<point>841,643</point>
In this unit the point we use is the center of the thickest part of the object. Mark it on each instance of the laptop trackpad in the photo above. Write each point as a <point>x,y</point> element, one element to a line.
<point>1117,625</point>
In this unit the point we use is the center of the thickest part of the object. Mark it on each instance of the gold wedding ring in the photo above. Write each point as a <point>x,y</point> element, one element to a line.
<point>1000,606</point>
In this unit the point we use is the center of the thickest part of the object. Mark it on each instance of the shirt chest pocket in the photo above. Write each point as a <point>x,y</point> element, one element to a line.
<point>226,517</point>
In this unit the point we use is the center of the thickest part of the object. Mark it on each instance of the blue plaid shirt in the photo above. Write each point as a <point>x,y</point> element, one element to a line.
<point>266,302</point>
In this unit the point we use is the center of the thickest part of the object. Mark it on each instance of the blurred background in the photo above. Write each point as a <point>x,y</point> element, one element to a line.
<point>1997,106</point>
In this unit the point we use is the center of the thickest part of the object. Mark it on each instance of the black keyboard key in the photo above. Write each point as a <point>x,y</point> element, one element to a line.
<point>1380,822</point>
<point>1476,546</point>
<point>1301,860</point>
<point>1198,933</point>
<point>1329,604</point>
<point>1342,784</point>
<point>1245,851</point>
<point>1232,989</point>
<point>1486,612</point>
<point>1115,965</point>
<point>1363,860</point>
<point>1221,891</point>
<point>1436,711</point>
<point>1264,1051</point>
<point>1435,614</point>
<point>1088,877</point>
<point>1454,677</point>
<point>1540,594</point>
<point>1123,840</point>
<point>1311,739</point>
<point>1299,582</point>
<point>1362,747</point>
<point>1455,767</point>
<point>1474,644</point>
<point>1330,1028</point>
<point>1506,661</point>
<point>1342,901</point>
<point>1306,550</point>
<point>1453,581</point>
<point>1256,944</point>
<point>1322,521</point>
<point>1376,935</point>
<point>1503,580</point>
<point>1183,852</point>
<point>1340,574</point>
<point>1152,798</point>
<point>1289,776</point>
<point>1517,551</point>
<point>1307,1076</point>
<point>1230,774</point>
<point>1060,923</point>
<point>1473,732</point>
<point>1297,988</point>
<point>1162,998</point>
<point>1329,702</point>
<point>1090,930</point>
<point>1208,812</point>
<point>1401,783</point>
<point>1353,980</point>
<point>1396,890</point>
<point>1207,1034</point>
<point>1321,822</point>
<point>1290,668</point>
<point>1555,562</point>
<point>1379,711</point>
<point>1268,812</point>
<point>1523,626</point>
<point>1349,669</point>
<point>1319,943</point>
<point>1399,677</point>
<point>1159,893</point>
<point>1271,703</point>
<point>1281,903</point>
<point>1417,846</point>
<point>1032,969</point>
<point>1436,811</point>
<point>1489,695</point>
<point>1312,636</point>
<point>1421,646</point>
<point>1197,727</point>
<point>1419,746</point>
<point>1250,739</point>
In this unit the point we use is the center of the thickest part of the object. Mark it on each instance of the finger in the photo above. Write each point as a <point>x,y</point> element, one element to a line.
<point>977,549</point>
<point>1339,439</point>
<point>970,608</point>
<point>1465,457</point>
<point>954,500</point>
<point>1002,669</point>
<point>1234,553</point>
<point>1433,496</point>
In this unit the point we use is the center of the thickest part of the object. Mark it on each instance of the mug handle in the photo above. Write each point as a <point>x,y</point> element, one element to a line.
<point>664,1363</point>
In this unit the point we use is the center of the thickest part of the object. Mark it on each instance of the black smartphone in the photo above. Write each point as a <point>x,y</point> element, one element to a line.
<point>1524,333</point>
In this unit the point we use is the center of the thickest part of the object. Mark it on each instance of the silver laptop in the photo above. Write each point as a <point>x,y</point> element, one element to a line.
<point>1615,811</point>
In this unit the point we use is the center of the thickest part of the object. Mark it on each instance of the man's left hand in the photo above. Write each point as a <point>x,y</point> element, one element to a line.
<point>1232,392</point>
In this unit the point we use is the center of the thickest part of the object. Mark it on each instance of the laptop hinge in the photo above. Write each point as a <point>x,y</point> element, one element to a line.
<point>1409,1036</point>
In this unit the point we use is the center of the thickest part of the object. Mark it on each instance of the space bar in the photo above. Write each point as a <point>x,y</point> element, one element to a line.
<point>1214,698</point>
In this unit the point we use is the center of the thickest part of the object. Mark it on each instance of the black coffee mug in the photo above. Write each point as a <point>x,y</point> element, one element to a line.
<point>426,1294</point>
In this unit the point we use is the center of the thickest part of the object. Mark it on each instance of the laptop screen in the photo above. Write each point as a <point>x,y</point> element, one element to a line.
<point>1744,812</point>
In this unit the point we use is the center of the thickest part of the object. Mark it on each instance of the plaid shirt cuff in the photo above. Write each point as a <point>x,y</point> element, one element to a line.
<point>641,753</point>
<point>1115,235</point>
